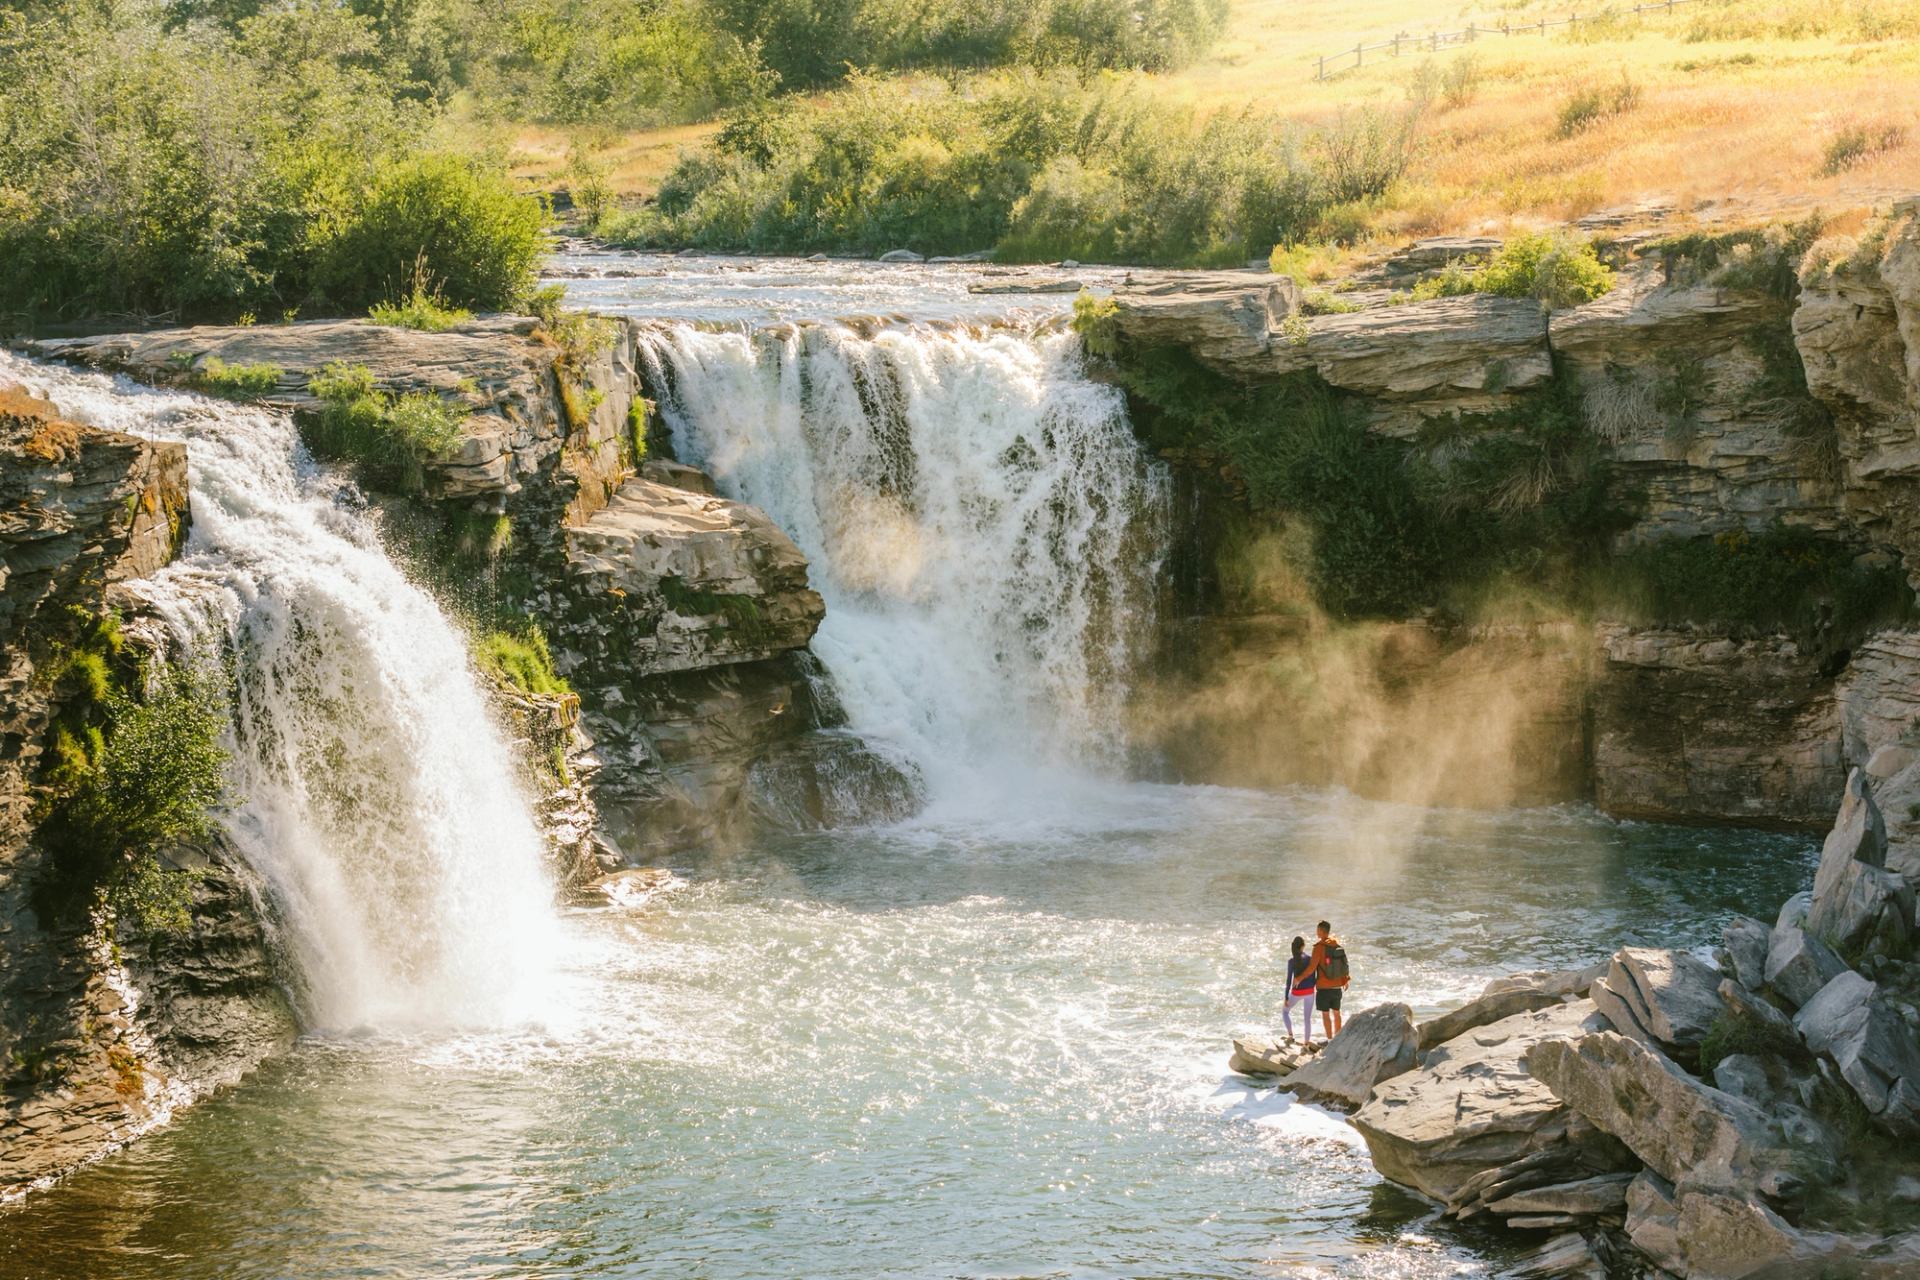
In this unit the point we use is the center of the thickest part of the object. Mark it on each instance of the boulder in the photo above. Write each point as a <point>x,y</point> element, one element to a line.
<point>1726,1236</point>
<point>902,255</point>
<point>1471,1108</point>
<point>1781,1092</point>
<point>1858,905</point>
<point>1681,1128</point>
<point>1490,1008</point>
<point>1256,1056</point>
<point>1871,1044</point>
<point>1799,964</point>
<point>1374,1046</point>
<point>1744,944</point>
<point>1665,999</point>
<point>629,889</point>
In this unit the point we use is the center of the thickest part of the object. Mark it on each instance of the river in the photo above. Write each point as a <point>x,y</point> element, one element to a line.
<point>986,1042</point>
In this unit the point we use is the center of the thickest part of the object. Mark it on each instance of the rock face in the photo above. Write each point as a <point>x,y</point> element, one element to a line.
<point>1374,1046</point>
<point>1227,319</point>
<point>99,1039</point>
<point>1858,905</point>
<point>1695,726</point>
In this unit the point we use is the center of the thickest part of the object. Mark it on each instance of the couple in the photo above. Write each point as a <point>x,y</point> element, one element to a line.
<point>1319,978</point>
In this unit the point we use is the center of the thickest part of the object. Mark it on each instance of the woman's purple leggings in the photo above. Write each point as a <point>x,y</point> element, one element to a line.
<point>1293,1000</point>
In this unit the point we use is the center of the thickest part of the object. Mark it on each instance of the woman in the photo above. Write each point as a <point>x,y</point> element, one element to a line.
<point>1302,982</point>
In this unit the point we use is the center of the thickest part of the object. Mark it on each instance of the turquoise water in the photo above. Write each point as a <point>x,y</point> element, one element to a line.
<point>964,1047</point>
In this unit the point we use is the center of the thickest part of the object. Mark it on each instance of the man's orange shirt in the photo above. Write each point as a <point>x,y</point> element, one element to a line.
<point>1320,960</point>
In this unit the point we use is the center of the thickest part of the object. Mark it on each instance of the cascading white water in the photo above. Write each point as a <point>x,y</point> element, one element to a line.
<point>371,788</point>
<point>977,512</point>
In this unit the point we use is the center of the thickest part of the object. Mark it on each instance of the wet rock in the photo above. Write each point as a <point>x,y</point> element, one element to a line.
<point>1859,906</point>
<point>831,779</point>
<point>901,255</point>
<point>1258,1056</point>
<point>1471,1107</point>
<point>1871,1044</point>
<point>629,889</point>
<point>1665,999</point>
<point>1374,1046</point>
<point>678,475</point>
<point>1568,1256</point>
<point>1681,1128</point>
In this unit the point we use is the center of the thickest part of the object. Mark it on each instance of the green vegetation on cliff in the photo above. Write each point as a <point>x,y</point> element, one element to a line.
<point>137,767</point>
<point>391,437</point>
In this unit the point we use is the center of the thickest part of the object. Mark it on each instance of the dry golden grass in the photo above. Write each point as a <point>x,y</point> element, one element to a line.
<point>1738,102</point>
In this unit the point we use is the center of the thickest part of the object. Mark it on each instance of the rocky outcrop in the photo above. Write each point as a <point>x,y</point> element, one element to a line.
<point>1471,1111</point>
<point>1876,1050</point>
<point>1858,906</point>
<point>1374,1046</point>
<point>1227,319</point>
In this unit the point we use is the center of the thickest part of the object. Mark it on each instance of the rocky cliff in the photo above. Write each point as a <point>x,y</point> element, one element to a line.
<point>104,1027</point>
<point>1725,395</point>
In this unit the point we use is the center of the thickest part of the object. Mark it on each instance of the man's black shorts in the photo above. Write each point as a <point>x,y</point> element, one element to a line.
<point>1328,997</point>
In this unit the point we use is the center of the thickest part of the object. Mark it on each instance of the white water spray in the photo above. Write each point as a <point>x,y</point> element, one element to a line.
<point>372,789</point>
<point>978,515</point>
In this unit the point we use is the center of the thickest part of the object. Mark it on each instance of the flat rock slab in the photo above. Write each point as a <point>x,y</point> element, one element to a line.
<point>1663,998</point>
<point>1258,1057</point>
<point>1471,1106</point>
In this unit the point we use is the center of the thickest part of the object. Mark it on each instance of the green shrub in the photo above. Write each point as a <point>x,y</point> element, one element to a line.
<point>1591,104</point>
<point>1556,268</point>
<point>1096,320</point>
<point>449,215</point>
<point>1858,142</point>
<point>1765,258</point>
<point>390,438</point>
<point>235,381</point>
<point>521,658</point>
<point>423,308</point>
<point>154,784</point>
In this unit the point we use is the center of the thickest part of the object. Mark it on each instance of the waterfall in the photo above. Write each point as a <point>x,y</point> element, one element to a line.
<point>369,785</point>
<point>978,516</point>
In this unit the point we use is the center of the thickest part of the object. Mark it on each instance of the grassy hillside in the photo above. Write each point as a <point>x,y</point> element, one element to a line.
<point>1758,105</point>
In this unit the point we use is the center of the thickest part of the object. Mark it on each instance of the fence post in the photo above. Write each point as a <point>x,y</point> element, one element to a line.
<point>1396,46</point>
<point>1359,54</point>
<point>1320,72</point>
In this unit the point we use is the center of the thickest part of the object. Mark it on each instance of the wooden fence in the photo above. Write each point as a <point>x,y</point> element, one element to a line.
<point>1433,42</point>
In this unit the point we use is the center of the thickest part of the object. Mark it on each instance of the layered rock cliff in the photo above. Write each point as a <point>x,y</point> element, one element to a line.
<point>1724,398</point>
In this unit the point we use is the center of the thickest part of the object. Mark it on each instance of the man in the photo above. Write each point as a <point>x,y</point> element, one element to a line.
<point>1330,965</point>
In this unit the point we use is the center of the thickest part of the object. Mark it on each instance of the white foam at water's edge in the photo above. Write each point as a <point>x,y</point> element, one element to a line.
<point>978,516</point>
<point>370,786</point>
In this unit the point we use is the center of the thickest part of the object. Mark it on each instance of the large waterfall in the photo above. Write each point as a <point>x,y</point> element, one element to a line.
<point>370,786</point>
<point>977,512</point>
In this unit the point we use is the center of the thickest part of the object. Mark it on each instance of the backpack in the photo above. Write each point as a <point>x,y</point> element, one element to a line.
<point>1335,968</point>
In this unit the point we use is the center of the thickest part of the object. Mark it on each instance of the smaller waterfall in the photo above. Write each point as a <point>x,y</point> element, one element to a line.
<point>978,515</point>
<point>371,787</point>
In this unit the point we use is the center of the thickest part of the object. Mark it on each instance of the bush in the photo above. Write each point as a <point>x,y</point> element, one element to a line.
<point>520,658</point>
<point>446,215</point>
<point>1588,106</point>
<point>1859,142</point>
<point>235,381</point>
<point>391,438</point>
<point>1095,319</point>
<point>1733,1033</point>
<point>155,783</point>
<point>1556,268</point>
<point>424,308</point>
